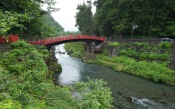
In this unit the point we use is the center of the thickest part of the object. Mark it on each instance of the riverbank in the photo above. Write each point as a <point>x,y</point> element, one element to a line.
<point>150,70</point>
<point>26,83</point>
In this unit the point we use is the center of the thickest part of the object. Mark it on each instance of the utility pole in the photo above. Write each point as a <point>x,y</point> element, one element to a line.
<point>133,27</point>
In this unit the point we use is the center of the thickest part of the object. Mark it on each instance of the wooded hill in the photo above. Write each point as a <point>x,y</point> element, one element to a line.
<point>148,18</point>
<point>27,19</point>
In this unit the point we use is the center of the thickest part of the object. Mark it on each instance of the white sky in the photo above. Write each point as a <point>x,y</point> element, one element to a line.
<point>66,15</point>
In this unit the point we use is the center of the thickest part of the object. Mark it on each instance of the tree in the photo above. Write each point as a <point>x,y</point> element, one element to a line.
<point>10,20</point>
<point>154,18</point>
<point>26,18</point>
<point>84,19</point>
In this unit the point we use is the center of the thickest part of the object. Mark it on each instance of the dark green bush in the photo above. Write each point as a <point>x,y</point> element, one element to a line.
<point>160,53</point>
<point>24,83</point>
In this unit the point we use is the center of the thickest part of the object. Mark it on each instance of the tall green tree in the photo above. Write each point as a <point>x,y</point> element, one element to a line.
<point>84,18</point>
<point>102,25</point>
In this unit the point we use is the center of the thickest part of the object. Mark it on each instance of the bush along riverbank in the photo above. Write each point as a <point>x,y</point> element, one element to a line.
<point>25,83</point>
<point>77,48</point>
<point>148,61</point>
<point>150,70</point>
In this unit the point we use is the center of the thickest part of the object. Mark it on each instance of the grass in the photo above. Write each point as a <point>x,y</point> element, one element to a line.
<point>150,70</point>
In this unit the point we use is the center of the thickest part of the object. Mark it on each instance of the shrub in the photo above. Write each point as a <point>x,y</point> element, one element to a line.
<point>114,44</point>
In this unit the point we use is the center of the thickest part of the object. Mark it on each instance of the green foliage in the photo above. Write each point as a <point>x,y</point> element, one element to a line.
<point>22,57</point>
<point>10,104</point>
<point>144,51</point>
<point>10,20</point>
<point>56,28</point>
<point>3,75</point>
<point>72,32</point>
<point>27,19</point>
<point>154,18</point>
<point>77,48</point>
<point>151,70</point>
<point>165,47</point>
<point>94,95</point>
<point>43,50</point>
<point>46,27</point>
<point>84,19</point>
<point>22,45</point>
<point>114,44</point>
<point>24,83</point>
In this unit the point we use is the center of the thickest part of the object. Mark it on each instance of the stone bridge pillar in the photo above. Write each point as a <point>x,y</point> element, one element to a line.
<point>90,47</point>
<point>52,50</point>
<point>112,51</point>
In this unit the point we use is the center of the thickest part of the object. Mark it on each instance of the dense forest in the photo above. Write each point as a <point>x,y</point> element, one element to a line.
<point>28,19</point>
<point>143,18</point>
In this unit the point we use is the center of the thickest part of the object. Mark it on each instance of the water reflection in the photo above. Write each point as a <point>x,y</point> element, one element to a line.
<point>70,67</point>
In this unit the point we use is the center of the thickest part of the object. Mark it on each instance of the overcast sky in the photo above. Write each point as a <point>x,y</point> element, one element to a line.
<point>66,15</point>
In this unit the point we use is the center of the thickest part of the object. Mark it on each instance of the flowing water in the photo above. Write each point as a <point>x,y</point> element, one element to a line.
<point>129,91</point>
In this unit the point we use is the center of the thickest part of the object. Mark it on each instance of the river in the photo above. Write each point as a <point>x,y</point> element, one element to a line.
<point>129,91</point>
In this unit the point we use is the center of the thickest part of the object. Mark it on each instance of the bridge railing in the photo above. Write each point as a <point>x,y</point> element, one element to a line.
<point>11,38</point>
<point>64,38</point>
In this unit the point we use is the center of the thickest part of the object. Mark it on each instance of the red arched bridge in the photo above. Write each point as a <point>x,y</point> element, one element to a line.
<point>49,42</point>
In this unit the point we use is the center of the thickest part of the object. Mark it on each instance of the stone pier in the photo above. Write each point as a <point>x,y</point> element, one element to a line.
<point>52,50</point>
<point>90,47</point>
<point>113,51</point>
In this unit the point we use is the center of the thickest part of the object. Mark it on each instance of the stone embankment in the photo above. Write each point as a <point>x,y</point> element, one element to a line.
<point>4,47</point>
